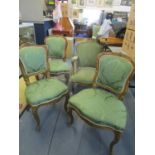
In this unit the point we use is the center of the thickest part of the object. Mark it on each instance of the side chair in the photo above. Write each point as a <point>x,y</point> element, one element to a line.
<point>101,106</point>
<point>84,63</point>
<point>57,53</point>
<point>33,62</point>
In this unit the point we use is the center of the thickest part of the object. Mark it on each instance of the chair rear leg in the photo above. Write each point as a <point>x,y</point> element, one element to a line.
<point>70,116</point>
<point>36,117</point>
<point>67,78</point>
<point>117,136</point>
<point>73,88</point>
<point>66,102</point>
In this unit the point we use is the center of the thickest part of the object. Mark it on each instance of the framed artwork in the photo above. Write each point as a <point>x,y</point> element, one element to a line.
<point>117,2</point>
<point>126,2</point>
<point>75,13</point>
<point>91,2</point>
<point>74,2</point>
<point>82,3</point>
<point>100,3</point>
<point>108,2</point>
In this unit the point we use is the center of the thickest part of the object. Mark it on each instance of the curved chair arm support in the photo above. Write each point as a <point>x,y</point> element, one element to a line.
<point>74,63</point>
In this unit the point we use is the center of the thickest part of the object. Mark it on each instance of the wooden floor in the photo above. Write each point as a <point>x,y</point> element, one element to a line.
<point>56,138</point>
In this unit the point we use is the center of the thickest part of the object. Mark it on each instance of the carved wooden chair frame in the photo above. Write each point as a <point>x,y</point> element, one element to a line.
<point>46,73</point>
<point>66,74</point>
<point>117,133</point>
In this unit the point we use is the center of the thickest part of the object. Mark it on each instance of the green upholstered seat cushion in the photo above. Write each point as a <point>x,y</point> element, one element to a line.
<point>114,72</point>
<point>58,65</point>
<point>101,107</point>
<point>84,75</point>
<point>44,90</point>
<point>27,56</point>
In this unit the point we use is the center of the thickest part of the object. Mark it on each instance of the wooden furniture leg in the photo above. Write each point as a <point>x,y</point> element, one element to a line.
<point>36,117</point>
<point>117,136</point>
<point>70,116</point>
<point>67,78</point>
<point>66,102</point>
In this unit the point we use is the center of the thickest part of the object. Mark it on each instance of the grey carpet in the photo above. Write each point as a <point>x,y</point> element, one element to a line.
<point>56,138</point>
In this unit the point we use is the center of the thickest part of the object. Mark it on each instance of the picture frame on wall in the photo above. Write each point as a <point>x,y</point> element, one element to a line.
<point>91,2</point>
<point>108,2</point>
<point>82,3</point>
<point>75,13</point>
<point>74,2</point>
<point>116,2</point>
<point>126,2</point>
<point>100,3</point>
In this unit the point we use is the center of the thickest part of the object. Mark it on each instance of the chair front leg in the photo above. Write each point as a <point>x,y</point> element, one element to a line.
<point>66,102</point>
<point>70,116</point>
<point>36,117</point>
<point>117,136</point>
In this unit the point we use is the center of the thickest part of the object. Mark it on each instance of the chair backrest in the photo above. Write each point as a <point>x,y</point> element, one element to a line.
<point>57,46</point>
<point>87,52</point>
<point>33,61</point>
<point>95,30</point>
<point>114,72</point>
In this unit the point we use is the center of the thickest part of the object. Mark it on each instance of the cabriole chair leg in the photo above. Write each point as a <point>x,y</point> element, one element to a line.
<point>66,102</point>
<point>70,116</point>
<point>36,117</point>
<point>117,136</point>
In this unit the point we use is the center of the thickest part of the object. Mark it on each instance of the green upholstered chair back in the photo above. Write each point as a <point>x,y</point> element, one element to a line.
<point>114,72</point>
<point>33,60</point>
<point>87,52</point>
<point>56,46</point>
<point>95,30</point>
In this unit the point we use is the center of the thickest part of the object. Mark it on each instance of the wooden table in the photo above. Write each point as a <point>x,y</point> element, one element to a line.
<point>111,41</point>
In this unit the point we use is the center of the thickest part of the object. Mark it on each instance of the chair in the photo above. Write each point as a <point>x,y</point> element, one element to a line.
<point>84,63</point>
<point>57,47</point>
<point>44,91</point>
<point>102,105</point>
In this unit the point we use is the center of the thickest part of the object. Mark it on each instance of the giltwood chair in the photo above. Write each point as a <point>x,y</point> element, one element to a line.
<point>84,63</point>
<point>33,62</point>
<point>57,53</point>
<point>102,105</point>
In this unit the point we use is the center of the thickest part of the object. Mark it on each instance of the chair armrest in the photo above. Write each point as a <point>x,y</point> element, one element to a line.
<point>74,63</point>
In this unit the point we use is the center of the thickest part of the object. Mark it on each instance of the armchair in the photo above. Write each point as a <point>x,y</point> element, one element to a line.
<point>57,46</point>
<point>102,105</point>
<point>84,63</point>
<point>34,61</point>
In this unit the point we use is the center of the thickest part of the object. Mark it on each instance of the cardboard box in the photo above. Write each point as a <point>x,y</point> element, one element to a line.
<point>129,43</point>
<point>131,20</point>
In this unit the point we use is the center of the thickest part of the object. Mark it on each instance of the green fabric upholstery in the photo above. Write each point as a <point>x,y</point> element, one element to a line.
<point>33,58</point>
<point>58,65</point>
<point>101,107</point>
<point>44,90</point>
<point>87,53</point>
<point>114,72</point>
<point>56,46</point>
<point>95,29</point>
<point>84,75</point>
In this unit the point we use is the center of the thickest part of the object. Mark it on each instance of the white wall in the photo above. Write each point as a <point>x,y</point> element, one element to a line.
<point>31,10</point>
